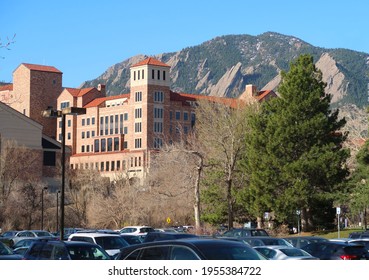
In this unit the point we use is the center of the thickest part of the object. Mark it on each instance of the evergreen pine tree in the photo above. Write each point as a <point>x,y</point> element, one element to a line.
<point>295,157</point>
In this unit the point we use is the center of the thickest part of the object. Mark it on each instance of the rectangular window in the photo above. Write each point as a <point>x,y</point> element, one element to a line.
<point>103,145</point>
<point>83,149</point>
<point>153,74</point>
<point>143,77</point>
<point>185,116</point>
<point>125,145</point>
<point>170,115</point>
<point>111,125</point>
<point>107,166</point>
<point>178,115</point>
<point>164,75</point>
<point>102,166</point>
<point>87,134</point>
<point>138,113</point>
<point>110,144</point>
<point>126,116</point>
<point>93,120</point>
<point>138,143</point>
<point>69,123</point>
<point>116,124</point>
<point>87,148</point>
<point>138,96</point>
<point>83,122</point>
<point>69,136</point>
<point>83,135</point>
<point>60,124</point>
<point>64,104</point>
<point>116,143</point>
<point>134,75</point>
<point>121,124</point>
<point>88,121</point>
<point>138,74</point>
<point>158,127</point>
<point>106,125</point>
<point>118,165</point>
<point>93,133</point>
<point>125,130</point>
<point>158,96</point>
<point>138,127</point>
<point>158,74</point>
<point>97,145</point>
<point>101,125</point>
<point>112,165</point>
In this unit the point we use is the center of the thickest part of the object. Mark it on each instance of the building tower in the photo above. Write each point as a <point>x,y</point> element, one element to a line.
<point>149,101</point>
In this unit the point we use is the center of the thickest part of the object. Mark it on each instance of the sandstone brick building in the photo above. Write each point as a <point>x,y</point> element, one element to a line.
<point>117,133</point>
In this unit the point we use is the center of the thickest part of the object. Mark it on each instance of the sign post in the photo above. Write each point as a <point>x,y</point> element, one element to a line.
<point>338,212</point>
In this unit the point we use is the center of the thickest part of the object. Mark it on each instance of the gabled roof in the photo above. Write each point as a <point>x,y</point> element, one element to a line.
<point>263,94</point>
<point>42,68</point>
<point>151,61</point>
<point>98,101</point>
<point>76,92</point>
<point>6,87</point>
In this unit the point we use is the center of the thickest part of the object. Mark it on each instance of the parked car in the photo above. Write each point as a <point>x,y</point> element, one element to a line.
<point>136,230</point>
<point>245,232</point>
<point>65,250</point>
<point>133,239</point>
<point>265,241</point>
<point>7,236</point>
<point>157,236</point>
<point>111,243</point>
<point>190,249</point>
<point>301,241</point>
<point>24,234</point>
<point>7,254</point>
<point>336,250</point>
<point>284,253</point>
<point>359,234</point>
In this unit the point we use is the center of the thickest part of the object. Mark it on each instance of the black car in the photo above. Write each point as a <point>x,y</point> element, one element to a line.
<point>133,239</point>
<point>302,241</point>
<point>190,249</point>
<point>359,234</point>
<point>245,232</point>
<point>336,250</point>
<point>65,250</point>
<point>158,236</point>
<point>7,254</point>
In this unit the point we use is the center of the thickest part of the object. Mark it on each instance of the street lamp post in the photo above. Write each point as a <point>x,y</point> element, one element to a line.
<point>57,210</point>
<point>42,207</point>
<point>52,113</point>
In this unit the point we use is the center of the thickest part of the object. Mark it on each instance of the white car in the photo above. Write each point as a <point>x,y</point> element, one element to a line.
<point>284,253</point>
<point>136,230</point>
<point>111,243</point>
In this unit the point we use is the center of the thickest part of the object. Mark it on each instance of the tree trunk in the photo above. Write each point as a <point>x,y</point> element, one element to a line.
<point>197,197</point>
<point>230,204</point>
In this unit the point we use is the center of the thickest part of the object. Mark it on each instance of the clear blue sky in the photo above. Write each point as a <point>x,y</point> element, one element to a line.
<point>83,38</point>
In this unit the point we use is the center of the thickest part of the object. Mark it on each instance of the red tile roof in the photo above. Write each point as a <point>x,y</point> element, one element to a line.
<point>76,92</point>
<point>6,87</point>
<point>150,61</point>
<point>232,102</point>
<point>98,101</point>
<point>42,68</point>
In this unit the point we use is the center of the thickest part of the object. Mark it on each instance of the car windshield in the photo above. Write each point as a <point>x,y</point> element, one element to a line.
<point>5,250</point>
<point>77,252</point>
<point>294,252</point>
<point>42,233</point>
<point>230,252</point>
<point>111,242</point>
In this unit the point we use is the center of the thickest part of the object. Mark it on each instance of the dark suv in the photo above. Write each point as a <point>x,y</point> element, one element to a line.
<point>337,250</point>
<point>245,232</point>
<point>65,250</point>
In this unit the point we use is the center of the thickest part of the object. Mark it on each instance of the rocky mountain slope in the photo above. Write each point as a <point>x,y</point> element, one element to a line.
<point>224,65</point>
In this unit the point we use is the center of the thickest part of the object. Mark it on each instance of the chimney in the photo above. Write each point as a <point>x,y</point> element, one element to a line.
<point>251,90</point>
<point>101,88</point>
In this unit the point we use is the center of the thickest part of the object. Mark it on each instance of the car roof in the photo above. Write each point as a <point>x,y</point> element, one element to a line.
<point>94,234</point>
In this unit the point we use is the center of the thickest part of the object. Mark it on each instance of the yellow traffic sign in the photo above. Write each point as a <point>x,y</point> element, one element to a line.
<point>168,220</point>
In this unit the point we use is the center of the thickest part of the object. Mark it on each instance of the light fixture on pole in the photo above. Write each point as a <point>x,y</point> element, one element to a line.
<point>52,113</point>
<point>42,207</point>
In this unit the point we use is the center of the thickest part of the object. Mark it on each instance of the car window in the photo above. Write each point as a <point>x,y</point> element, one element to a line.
<point>34,251</point>
<point>155,253</point>
<point>59,252</point>
<point>183,253</point>
<point>111,242</point>
<point>83,238</point>
<point>267,252</point>
<point>46,251</point>
<point>293,252</point>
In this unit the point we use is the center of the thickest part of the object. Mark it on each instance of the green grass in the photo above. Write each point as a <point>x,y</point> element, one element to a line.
<point>344,233</point>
